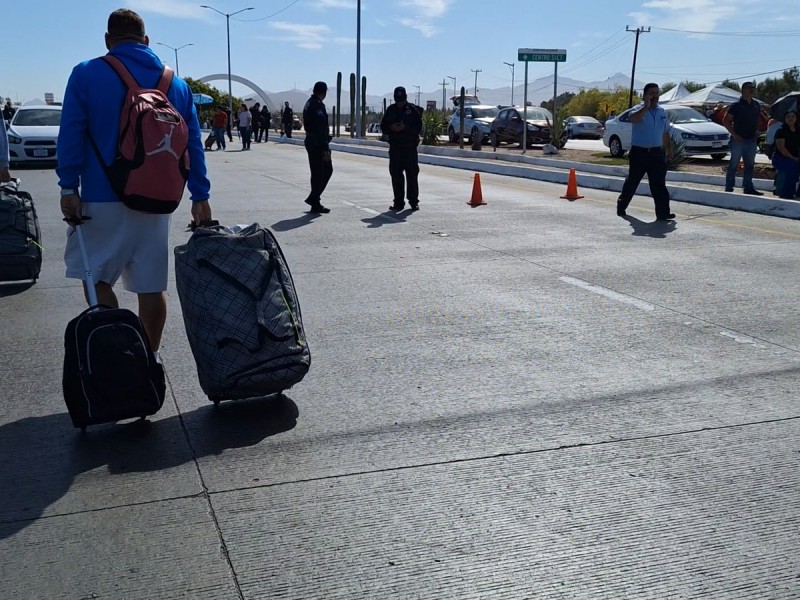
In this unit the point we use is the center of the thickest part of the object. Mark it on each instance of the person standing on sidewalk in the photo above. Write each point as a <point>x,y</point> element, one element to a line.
<point>220,123</point>
<point>651,148</point>
<point>287,119</point>
<point>315,118</point>
<point>403,124</point>
<point>742,121</point>
<point>245,117</point>
<point>122,242</point>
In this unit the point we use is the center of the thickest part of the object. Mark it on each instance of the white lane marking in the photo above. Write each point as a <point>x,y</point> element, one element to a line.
<point>608,293</point>
<point>359,207</point>
<point>742,339</point>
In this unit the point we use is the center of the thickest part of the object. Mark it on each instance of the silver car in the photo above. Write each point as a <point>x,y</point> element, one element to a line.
<point>477,121</point>
<point>584,127</point>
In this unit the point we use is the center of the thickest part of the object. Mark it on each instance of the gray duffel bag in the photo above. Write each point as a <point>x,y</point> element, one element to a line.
<point>241,313</point>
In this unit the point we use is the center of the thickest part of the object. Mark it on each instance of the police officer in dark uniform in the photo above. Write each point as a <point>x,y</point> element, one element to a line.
<point>402,123</point>
<point>315,122</point>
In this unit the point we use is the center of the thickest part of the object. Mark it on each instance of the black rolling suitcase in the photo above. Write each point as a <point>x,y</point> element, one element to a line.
<point>241,313</point>
<point>110,372</point>
<point>20,236</point>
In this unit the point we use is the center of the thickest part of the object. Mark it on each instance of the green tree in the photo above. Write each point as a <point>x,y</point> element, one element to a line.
<point>665,87</point>
<point>598,104</point>
<point>773,88</point>
<point>563,100</point>
<point>733,85</point>
<point>693,86</point>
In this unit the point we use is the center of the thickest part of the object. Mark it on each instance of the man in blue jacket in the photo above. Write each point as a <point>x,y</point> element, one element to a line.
<point>121,242</point>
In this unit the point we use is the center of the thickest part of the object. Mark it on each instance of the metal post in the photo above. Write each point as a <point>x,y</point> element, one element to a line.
<point>177,68</point>
<point>228,29</point>
<point>512,80</point>
<point>357,124</point>
<point>525,113</point>
<point>555,92</point>
<point>416,86</point>
<point>444,94</point>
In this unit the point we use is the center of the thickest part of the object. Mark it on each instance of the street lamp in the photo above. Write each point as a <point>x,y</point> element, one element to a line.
<point>177,69</point>
<point>228,24</point>
<point>416,86</point>
<point>454,83</point>
<point>512,81</point>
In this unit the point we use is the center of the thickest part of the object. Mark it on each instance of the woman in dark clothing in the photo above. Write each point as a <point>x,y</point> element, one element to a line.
<point>266,121</point>
<point>787,156</point>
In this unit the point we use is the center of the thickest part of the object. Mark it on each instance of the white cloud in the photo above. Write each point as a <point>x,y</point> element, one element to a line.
<point>326,4</point>
<point>310,37</point>
<point>426,29</point>
<point>429,8</point>
<point>171,8</point>
<point>689,15</point>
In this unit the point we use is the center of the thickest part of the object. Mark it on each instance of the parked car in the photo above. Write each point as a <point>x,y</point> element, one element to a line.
<point>477,121</point>
<point>698,133</point>
<point>297,124</point>
<point>374,128</point>
<point>33,132</point>
<point>507,126</point>
<point>584,127</point>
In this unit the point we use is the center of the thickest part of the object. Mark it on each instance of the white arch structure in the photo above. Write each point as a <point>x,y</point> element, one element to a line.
<point>261,93</point>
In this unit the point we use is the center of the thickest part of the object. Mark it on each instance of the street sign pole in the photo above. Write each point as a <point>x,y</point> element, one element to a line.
<point>527,55</point>
<point>525,113</point>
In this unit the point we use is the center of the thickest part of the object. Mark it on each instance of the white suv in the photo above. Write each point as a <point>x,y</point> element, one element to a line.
<point>699,134</point>
<point>477,121</point>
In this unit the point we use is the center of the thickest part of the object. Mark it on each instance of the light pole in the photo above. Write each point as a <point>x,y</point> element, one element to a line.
<point>228,25</point>
<point>512,81</point>
<point>416,86</point>
<point>476,71</point>
<point>357,124</point>
<point>177,68</point>
<point>454,83</point>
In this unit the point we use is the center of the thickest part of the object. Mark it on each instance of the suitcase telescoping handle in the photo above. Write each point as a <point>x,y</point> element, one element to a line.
<point>87,269</point>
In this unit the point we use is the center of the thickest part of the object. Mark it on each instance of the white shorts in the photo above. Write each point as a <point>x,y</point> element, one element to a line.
<point>122,242</point>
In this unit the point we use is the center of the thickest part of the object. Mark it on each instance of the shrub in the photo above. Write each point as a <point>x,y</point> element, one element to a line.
<point>432,127</point>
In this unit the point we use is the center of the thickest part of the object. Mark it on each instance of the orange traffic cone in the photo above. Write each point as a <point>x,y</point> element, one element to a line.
<point>477,195</point>
<point>572,187</point>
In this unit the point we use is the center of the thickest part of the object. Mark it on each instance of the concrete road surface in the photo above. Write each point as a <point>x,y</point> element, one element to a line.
<point>530,399</point>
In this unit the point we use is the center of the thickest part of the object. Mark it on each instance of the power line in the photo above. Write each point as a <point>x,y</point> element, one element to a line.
<point>788,33</point>
<point>288,6</point>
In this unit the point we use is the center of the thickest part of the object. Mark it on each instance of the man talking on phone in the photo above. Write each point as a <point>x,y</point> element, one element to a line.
<point>651,148</point>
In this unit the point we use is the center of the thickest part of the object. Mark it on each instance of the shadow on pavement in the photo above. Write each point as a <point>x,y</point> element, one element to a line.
<point>288,224</point>
<point>12,289</point>
<point>653,229</point>
<point>40,457</point>
<point>389,217</point>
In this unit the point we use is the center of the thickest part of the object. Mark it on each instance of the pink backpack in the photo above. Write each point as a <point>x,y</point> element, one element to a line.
<point>151,165</point>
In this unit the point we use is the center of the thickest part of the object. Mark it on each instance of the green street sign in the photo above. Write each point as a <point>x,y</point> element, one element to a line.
<point>541,55</point>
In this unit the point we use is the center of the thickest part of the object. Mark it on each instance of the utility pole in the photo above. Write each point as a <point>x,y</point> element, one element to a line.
<point>512,81</point>
<point>416,86</point>
<point>444,95</point>
<point>638,31</point>
<point>476,71</point>
<point>454,84</point>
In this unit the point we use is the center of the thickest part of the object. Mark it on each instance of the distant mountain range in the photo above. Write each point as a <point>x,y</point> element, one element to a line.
<point>539,90</point>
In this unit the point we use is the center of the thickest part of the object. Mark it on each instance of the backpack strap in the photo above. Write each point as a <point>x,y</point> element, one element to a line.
<point>122,71</point>
<point>164,81</point>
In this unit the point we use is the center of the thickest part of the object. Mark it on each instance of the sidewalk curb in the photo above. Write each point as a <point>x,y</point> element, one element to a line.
<point>599,177</point>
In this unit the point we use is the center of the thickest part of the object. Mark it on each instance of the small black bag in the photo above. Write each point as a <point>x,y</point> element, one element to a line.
<point>20,236</point>
<point>110,370</point>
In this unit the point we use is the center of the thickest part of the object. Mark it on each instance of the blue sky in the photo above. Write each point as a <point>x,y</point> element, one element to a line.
<point>286,44</point>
